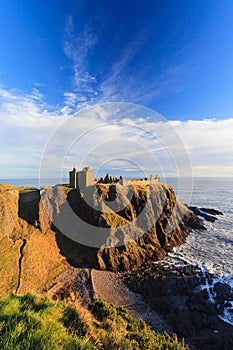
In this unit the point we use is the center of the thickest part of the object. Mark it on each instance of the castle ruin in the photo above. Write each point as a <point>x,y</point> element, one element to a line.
<point>85,178</point>
<point>81,179</point>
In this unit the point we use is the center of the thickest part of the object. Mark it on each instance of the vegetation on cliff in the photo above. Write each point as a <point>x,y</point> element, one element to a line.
<point>136,219</point>
<point>31,322</point>
<point>142,221</point>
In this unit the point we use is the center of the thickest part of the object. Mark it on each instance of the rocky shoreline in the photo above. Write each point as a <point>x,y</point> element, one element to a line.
<point>179,297</point>
<point>205,213</point>
<point>36,257</point>
<point>183,298</point>
<point>189,298</point>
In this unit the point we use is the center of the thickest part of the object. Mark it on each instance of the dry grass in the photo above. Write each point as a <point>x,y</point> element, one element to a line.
<point>5,187</point>
<point>114,220</point>
<point>41,261</point>
<point>9,269</point>
<point>9,187</point>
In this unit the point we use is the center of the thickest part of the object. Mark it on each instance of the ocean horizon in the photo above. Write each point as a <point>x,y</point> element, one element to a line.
<point>172,180</point>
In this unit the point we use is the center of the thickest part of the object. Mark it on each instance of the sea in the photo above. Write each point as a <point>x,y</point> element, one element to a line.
<point>210,250</point>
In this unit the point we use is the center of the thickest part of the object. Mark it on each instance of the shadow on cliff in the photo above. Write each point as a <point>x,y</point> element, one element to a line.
<point>28,206</point>
<point>77,254</point>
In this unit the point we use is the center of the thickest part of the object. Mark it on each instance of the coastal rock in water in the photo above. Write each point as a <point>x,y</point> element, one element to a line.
<point>177,296</point>
<point>202,213</point>
<point>193,222</point>
<point>211,211</point>
<point>223,292</point>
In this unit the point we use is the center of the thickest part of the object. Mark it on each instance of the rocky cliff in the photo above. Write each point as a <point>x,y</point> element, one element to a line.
<point>125,225</point>
<point>108,227</point>
<point>28,257</point>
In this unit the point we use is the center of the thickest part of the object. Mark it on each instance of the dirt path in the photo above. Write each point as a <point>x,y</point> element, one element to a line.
<point>86,283</point>
<point>109,286</point>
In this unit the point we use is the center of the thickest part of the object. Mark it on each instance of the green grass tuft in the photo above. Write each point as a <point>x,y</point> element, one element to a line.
<point>29,323</point>
<point>34,323</point>
<point>125,332</point>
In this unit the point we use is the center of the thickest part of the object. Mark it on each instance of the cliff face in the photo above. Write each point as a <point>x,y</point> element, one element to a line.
<point>8,211</point>
<point>157,222</point>
<point>28,257</point>
<point>109,227</point>
<point>123,225</point>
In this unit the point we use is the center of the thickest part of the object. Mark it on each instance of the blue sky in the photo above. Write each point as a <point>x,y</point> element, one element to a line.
<point>60,57</point>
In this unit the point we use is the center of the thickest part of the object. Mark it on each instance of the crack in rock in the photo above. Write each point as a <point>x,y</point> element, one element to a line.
<point>20,264</point>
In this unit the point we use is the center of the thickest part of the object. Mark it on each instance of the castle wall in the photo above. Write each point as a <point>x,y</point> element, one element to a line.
<point>90,180</point>
<point>73,178</point>
<point>85,178</point>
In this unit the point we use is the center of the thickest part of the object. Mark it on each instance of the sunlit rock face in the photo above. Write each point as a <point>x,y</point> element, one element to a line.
<point>110,227</point>
<point>123,225</point>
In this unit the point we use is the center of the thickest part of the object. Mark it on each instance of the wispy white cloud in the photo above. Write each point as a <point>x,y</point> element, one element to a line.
<point>123,85</point>
<point>102,135</point>
<point>118,81</point>
<point>210,145</point>
<point>151,145</point>
<point>77,46</point>
<point>25,126</point>
<point>208,142</point>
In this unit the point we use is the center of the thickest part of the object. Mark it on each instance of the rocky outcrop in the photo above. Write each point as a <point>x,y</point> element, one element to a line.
<point>109,227</point>
<point>9,265</point>
<point>123,225</point>
<point>181,296</point>
<point>208,214</point>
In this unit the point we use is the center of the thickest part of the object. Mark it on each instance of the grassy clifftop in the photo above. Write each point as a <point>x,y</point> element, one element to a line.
<point>32,322</point>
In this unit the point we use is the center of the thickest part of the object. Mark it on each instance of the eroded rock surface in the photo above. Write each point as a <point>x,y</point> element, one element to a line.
<point>125,226</point>
<point>182,298</point>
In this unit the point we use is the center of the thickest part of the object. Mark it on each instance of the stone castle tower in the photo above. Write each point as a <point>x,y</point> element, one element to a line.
<point>81,179</point>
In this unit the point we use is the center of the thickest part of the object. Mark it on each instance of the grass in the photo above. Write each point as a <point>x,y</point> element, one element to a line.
<point>9,271</point>
<point>9,187</point>
<point>31,323</point>
<point>121,331</point>
<point>34,323</point>
<point>6,187</point>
